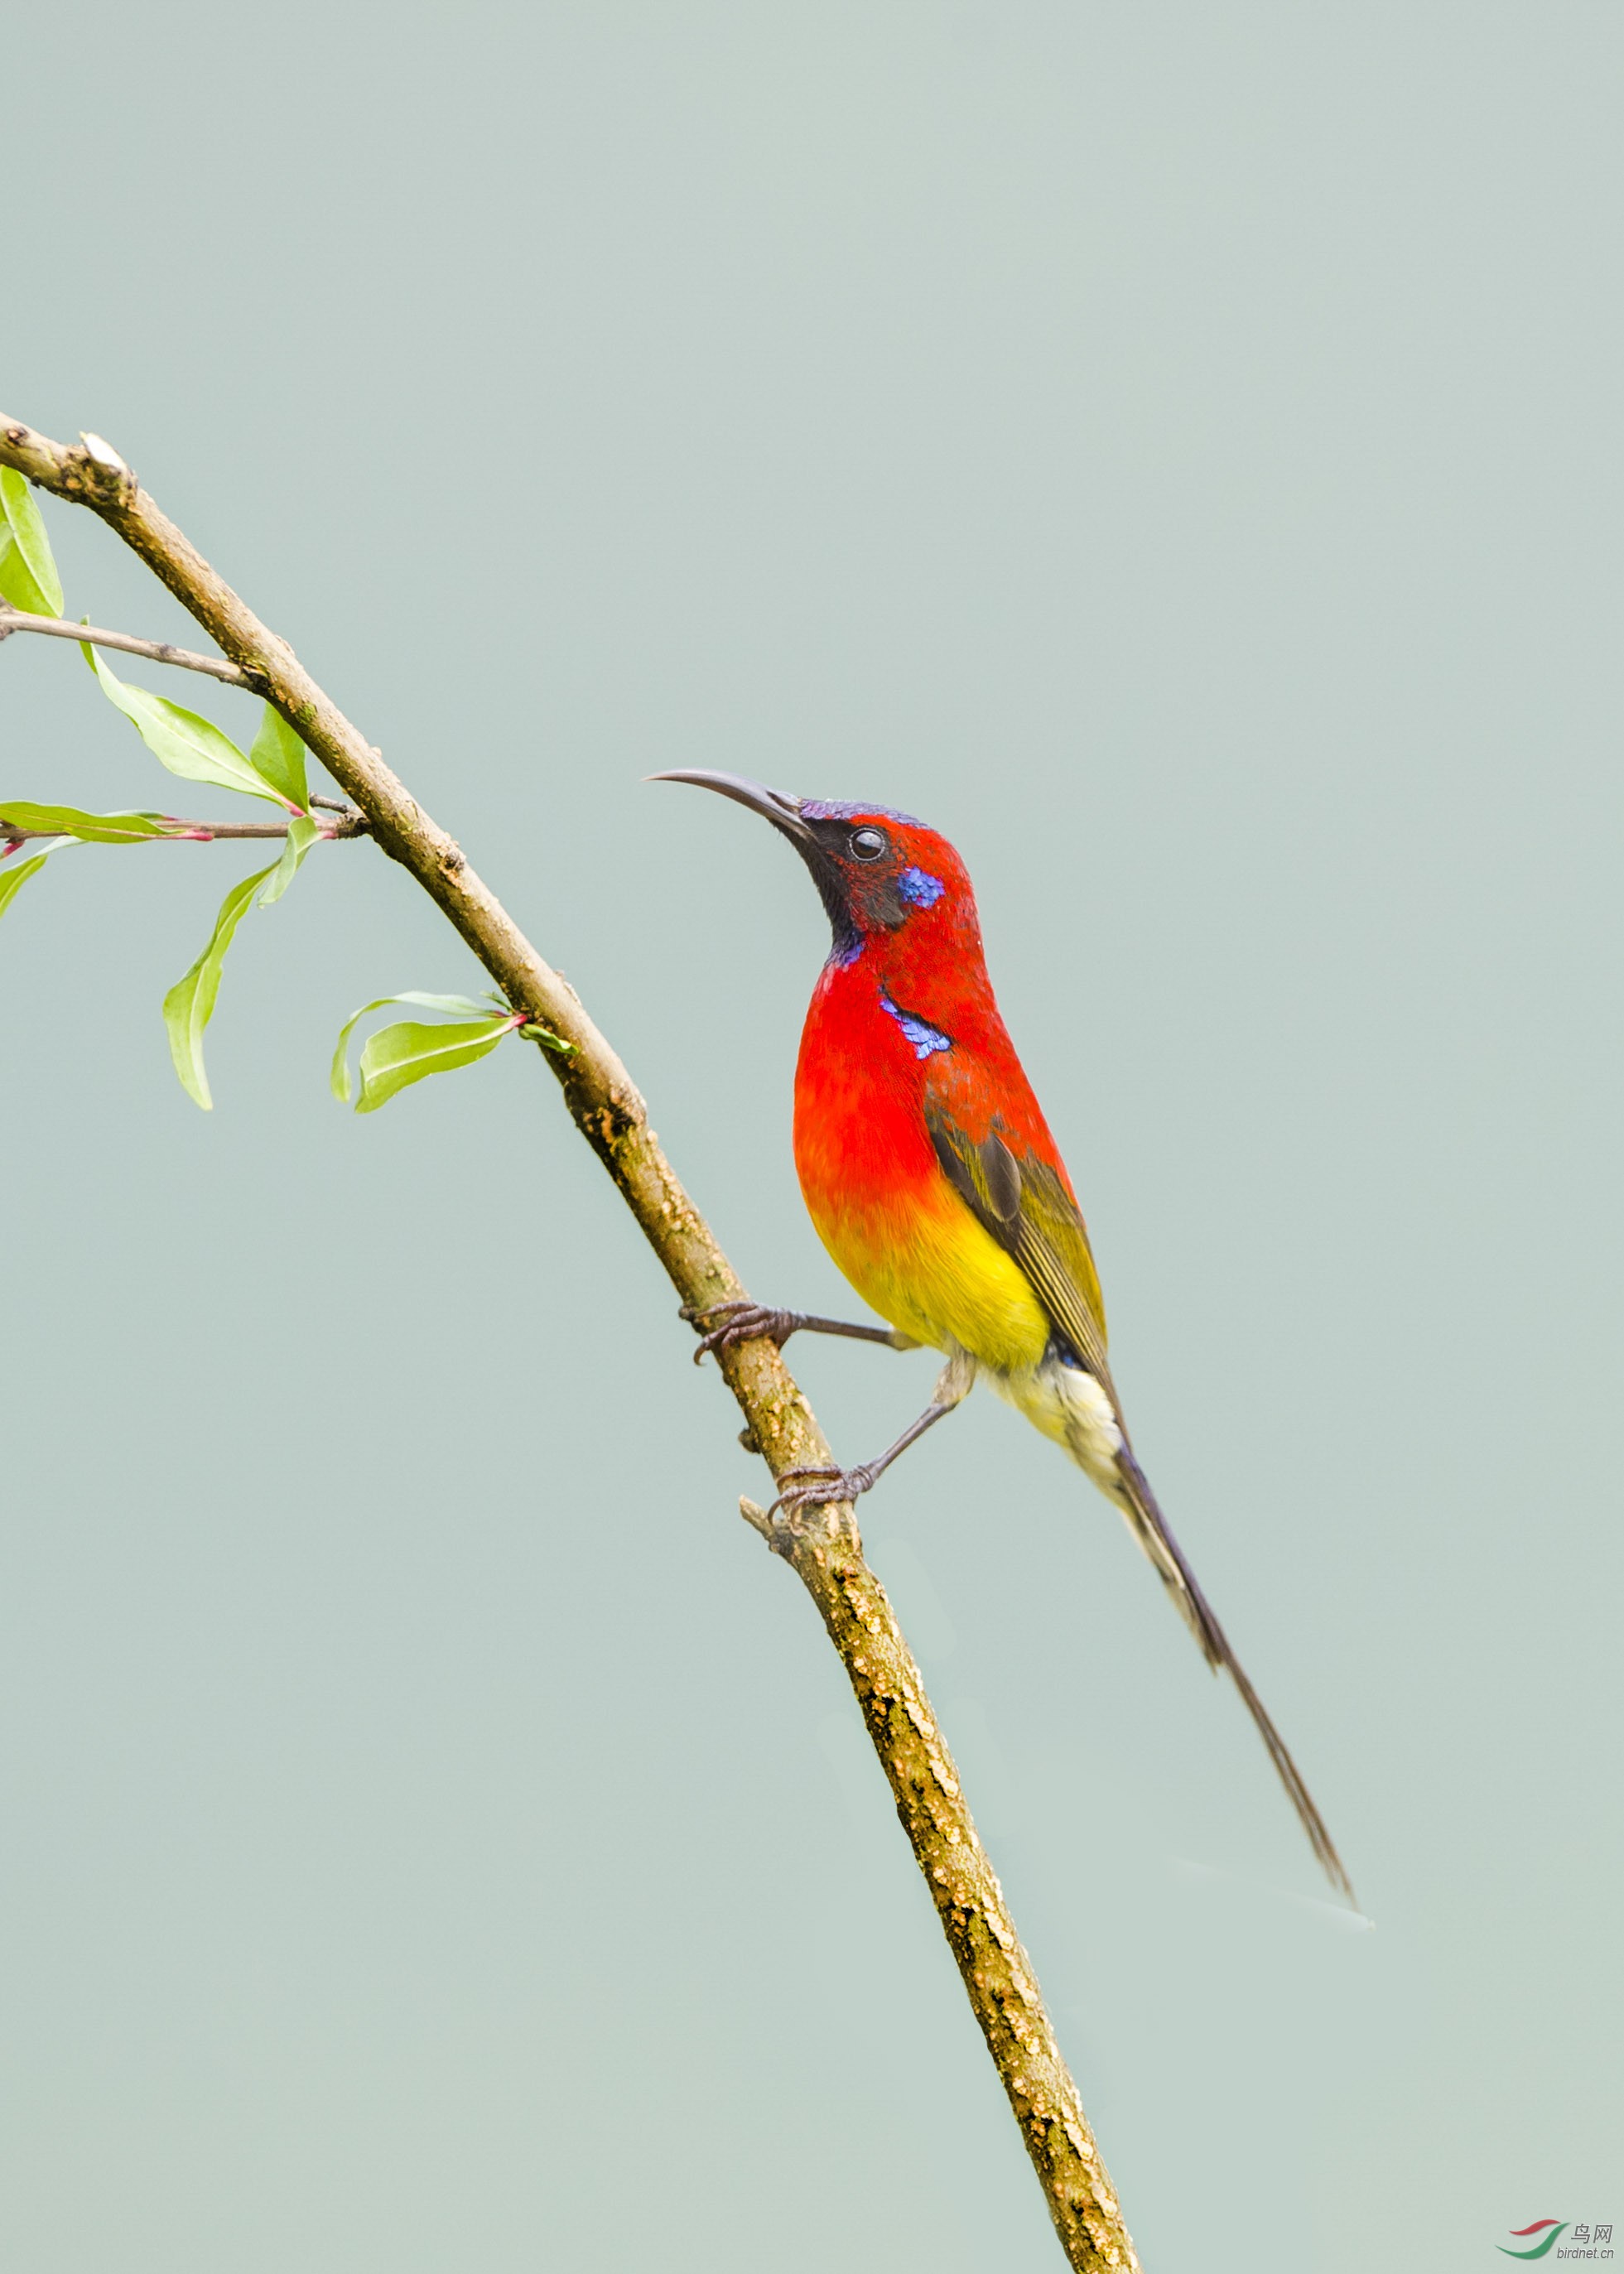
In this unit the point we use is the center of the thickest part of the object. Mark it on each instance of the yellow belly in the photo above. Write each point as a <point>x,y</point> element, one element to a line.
<point>936,1275</point>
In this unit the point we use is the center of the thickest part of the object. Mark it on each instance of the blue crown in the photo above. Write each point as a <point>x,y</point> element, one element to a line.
<point>816,809</point>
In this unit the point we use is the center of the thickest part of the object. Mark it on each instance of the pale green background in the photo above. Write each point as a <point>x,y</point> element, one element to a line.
<point>1173,448</point>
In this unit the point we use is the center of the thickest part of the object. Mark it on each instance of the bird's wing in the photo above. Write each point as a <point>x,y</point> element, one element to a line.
<point>1024,1203</point>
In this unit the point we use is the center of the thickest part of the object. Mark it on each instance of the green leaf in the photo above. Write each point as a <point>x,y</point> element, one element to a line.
<point>189,745</point>
<point>14,878</point>
<point>302,834</point>
<point>189,1004</point>
<point>28,577</point>
<point>338,1081</point>
<point>89,828</point>
<point>278,757</point>
<point>397,1056</point>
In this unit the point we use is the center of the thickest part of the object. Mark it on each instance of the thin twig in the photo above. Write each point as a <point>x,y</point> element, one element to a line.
<point>824,1547</point>
<point>199,833</point>
<point>232,674</point>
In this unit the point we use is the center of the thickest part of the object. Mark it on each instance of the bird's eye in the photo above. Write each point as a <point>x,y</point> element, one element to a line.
<point>866,844</point>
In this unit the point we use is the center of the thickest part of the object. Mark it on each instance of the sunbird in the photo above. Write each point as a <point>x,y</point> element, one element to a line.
<point>932,1180</point>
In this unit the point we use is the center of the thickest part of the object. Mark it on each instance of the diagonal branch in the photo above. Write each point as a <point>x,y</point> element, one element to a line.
<point>824,1548</point>
<point>17,620</point>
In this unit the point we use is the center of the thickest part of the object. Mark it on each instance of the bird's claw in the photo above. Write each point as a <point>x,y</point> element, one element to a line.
<point>742,1322</point>
<point>825,1484</point>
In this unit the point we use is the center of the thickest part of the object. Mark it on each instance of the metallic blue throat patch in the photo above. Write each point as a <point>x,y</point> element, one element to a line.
<point>924,1037</point>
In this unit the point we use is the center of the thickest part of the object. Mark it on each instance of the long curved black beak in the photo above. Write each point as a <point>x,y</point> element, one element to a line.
<point>774,805</point>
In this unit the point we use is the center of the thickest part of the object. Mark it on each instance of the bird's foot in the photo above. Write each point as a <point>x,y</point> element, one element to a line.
<point>742,1322</point>
<point>822,1486</point>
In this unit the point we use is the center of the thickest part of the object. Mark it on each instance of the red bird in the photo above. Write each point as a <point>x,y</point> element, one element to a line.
<point>933,1180</point>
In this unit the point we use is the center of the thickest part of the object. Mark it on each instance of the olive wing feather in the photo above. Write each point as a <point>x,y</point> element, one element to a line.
<point>1023,1202</point>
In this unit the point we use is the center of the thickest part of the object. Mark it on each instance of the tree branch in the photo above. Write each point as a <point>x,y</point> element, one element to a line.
<point>824,1547</point>
<point>15,619</point>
